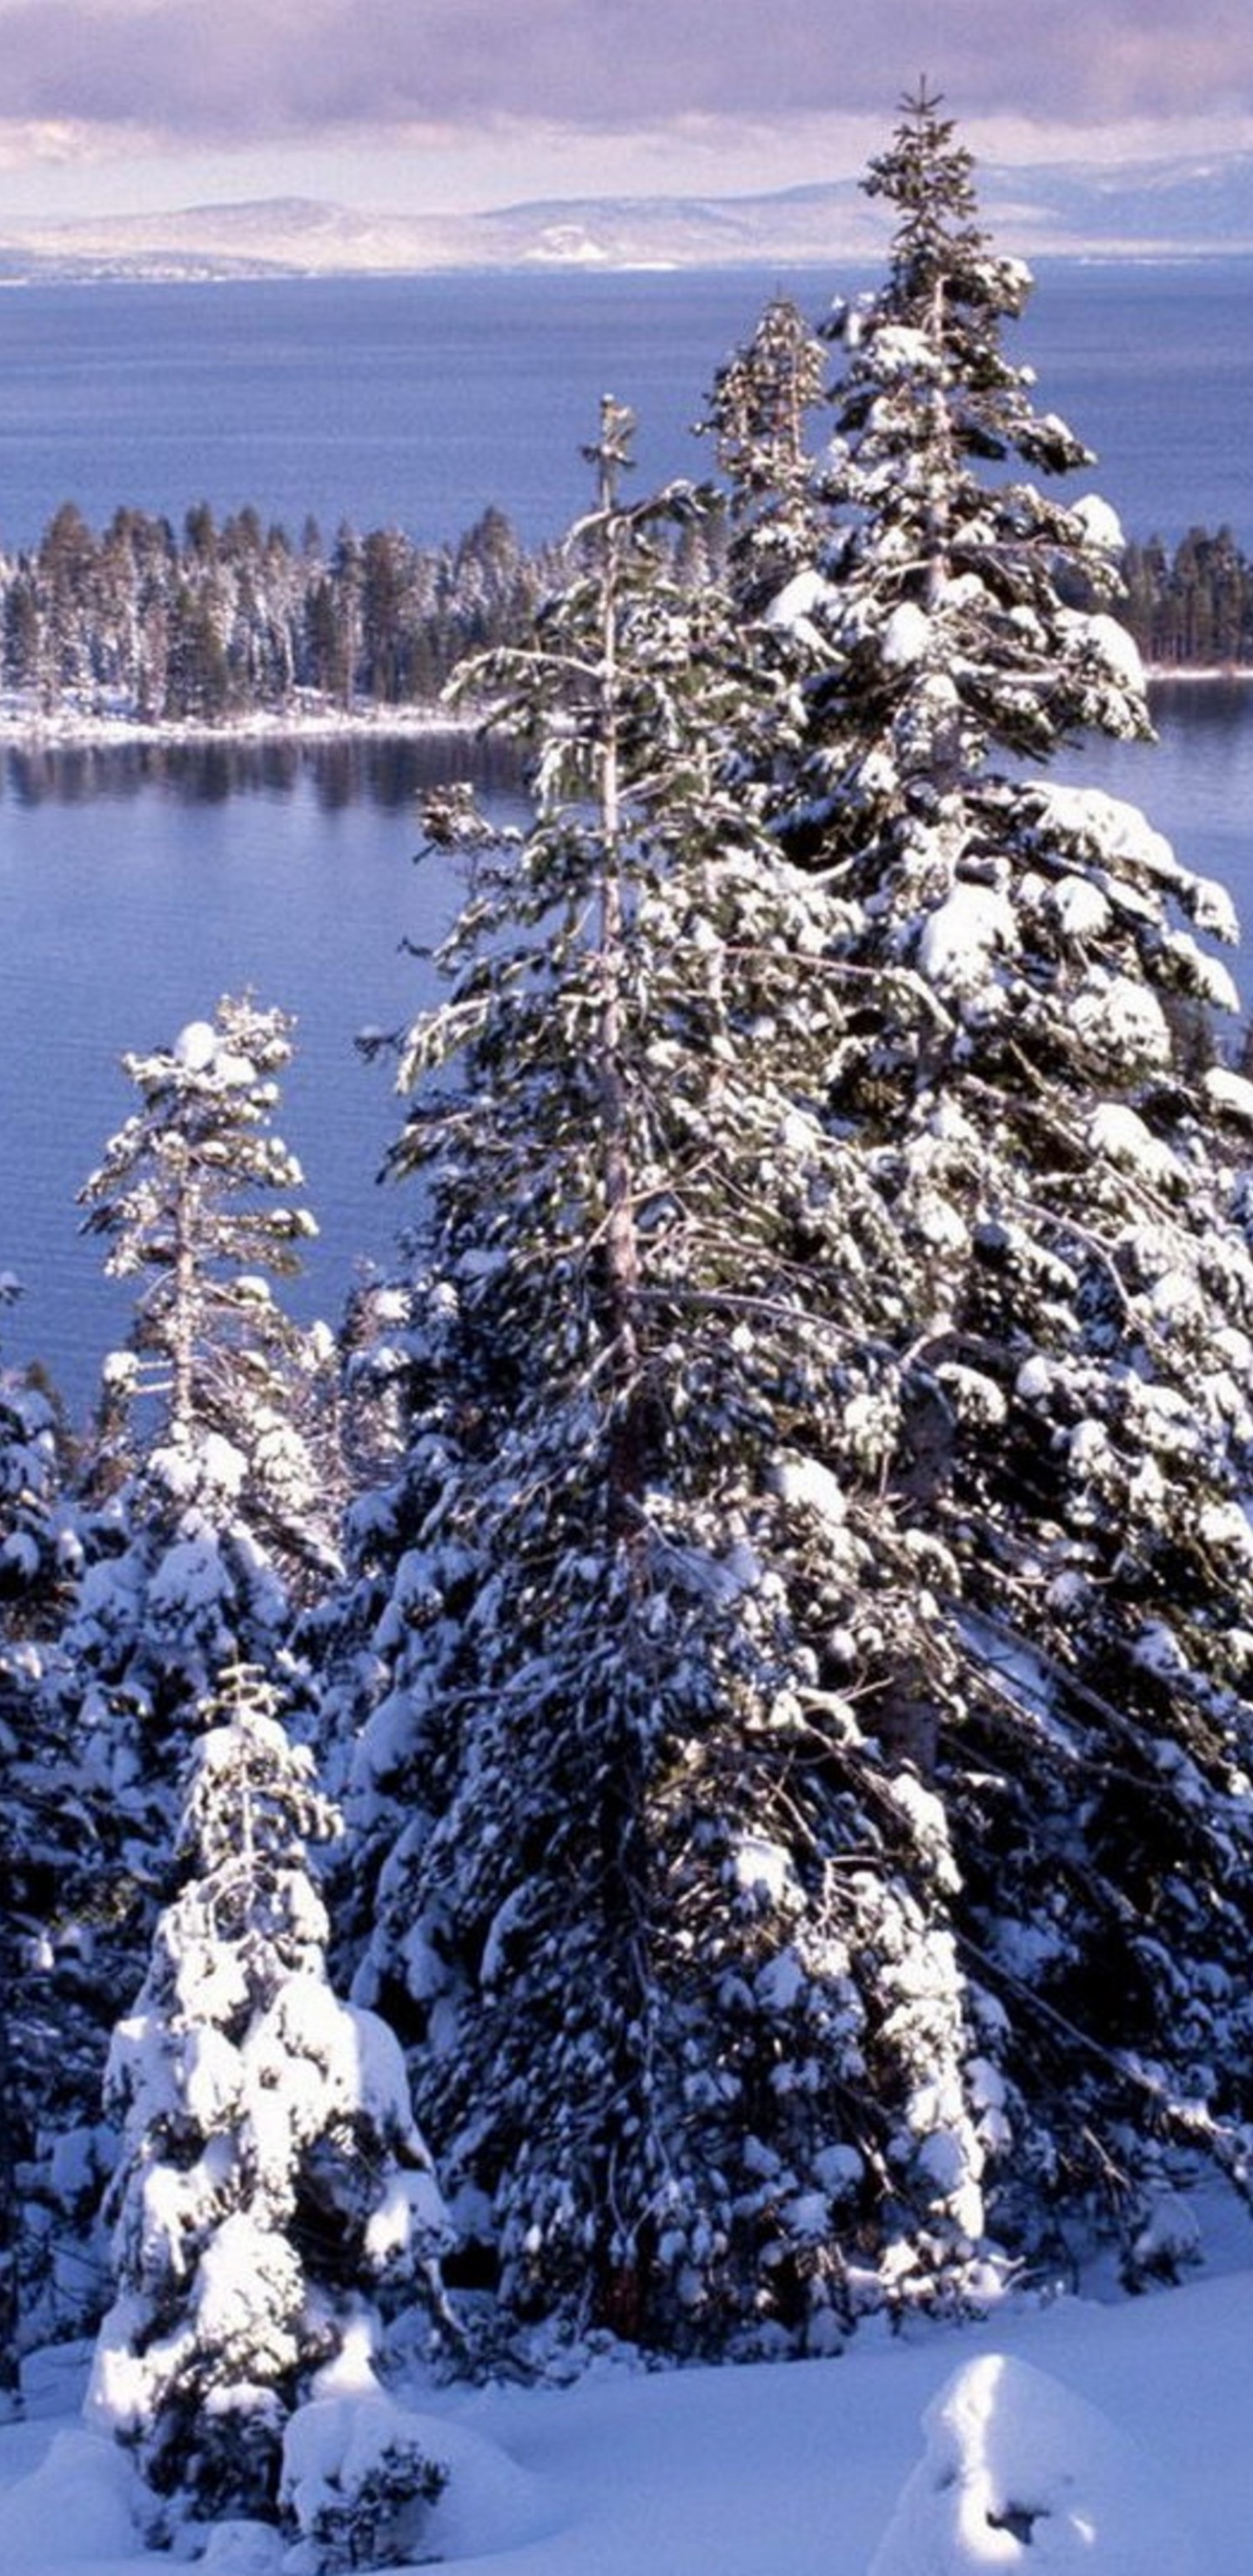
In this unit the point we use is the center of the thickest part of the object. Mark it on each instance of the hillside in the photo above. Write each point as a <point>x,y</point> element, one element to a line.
<point>1152,209</point>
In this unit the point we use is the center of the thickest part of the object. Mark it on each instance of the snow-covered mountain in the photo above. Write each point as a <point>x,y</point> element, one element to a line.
<point>1181,207</point>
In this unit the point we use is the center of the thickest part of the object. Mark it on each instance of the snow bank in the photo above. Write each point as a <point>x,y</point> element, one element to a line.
<point>798,2469</point>
<point>1020,2472</point>
<point>490,2504</point>
<point>73,2510</point>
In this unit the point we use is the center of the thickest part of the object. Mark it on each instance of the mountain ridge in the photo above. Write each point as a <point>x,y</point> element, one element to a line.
<point>1190,206</point>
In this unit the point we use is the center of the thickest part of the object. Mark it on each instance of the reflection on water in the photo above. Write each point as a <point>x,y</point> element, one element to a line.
<point>337,770</point>
<point>1217,704</point>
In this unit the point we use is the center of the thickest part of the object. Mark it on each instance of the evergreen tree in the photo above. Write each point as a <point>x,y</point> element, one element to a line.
<point>191,1531</point>
<point>950,609</point>
<point>1194,607</point>
<point>1063,1423</point>
<point>808,1780</point>
<point>694,2049</point>
<point>272,2181</point>
<point>194,1199</point>
<point>50,1851</point>
<point>57,1892</point>
<point>760,417</point>
<point>222,621</point>
<point>34,1467</point>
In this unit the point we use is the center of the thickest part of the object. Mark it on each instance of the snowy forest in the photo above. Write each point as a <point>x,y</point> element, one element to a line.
<point>682,1783</point>
<point>227,619</point>
<point>231,618</point>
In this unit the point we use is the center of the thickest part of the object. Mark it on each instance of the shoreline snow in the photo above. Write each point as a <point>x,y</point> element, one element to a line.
<point>73,728</point>
<point>70,728</point>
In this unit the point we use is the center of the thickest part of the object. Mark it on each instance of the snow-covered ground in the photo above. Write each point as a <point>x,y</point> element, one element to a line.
<point>1103,2439</point>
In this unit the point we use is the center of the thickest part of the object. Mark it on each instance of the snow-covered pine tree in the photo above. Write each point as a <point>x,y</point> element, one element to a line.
<point>224,1510</point>
<point>272,2183</point>
<point>696,2056</point>
<point>54,2002</point>
<point>33,1473</point>
<point>181,1555</point>
<point>195,1198</point>
<point>1065,1427</point>
<point>950,609</point>
<point>760,413</point>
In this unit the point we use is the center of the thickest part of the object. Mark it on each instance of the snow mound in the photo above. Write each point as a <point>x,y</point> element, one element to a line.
<point>74,2510</point>
<point>1020,2472</point>
<point>239,2548</point>
<point>357,2469</point>
<point>490,2505</point>
<point>335,2445</point>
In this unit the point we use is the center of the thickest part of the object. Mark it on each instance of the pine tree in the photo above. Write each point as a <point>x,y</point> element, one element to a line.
<point>34,1468</point>
<point>200,1532</point>
<point>759,417</point>
<point>808,1780</point>
<point>950,608</point>
<point>693,2047</point>
<point>56,1887</point>
<point>1064,1422</point>
<point>194,1197</point>
<point>179,1557</point>
<point>272,2181</point>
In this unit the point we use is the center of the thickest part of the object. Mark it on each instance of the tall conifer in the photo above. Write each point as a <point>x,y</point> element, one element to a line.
<point>1065,1427</point>
<point>693,2047</point>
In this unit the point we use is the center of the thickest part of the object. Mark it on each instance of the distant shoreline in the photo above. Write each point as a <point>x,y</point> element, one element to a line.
<point>1201,675</point>
<point>73,728</point>
<point>76,728</point>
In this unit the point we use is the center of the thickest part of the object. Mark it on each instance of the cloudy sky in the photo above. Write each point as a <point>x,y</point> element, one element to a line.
<point>427,104</point>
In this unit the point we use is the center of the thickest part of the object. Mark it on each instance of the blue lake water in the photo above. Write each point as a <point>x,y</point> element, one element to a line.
<point>136,888</point>
<point>414,402</point>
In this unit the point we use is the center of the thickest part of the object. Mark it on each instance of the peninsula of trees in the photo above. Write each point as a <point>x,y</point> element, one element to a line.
<point>220,622</point>
<point>223,621</point>
<point>689,1781</point>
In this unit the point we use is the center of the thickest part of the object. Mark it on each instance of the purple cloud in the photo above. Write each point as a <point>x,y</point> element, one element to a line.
<point>242,70</point>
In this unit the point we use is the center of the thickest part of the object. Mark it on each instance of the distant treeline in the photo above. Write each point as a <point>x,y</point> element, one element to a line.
<point>228,618</point>
<point>222,619</point>
<point>1193,608</point>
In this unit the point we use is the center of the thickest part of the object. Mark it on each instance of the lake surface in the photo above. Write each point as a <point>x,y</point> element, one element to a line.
<point>414,402</point>
<point>137,887</point>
